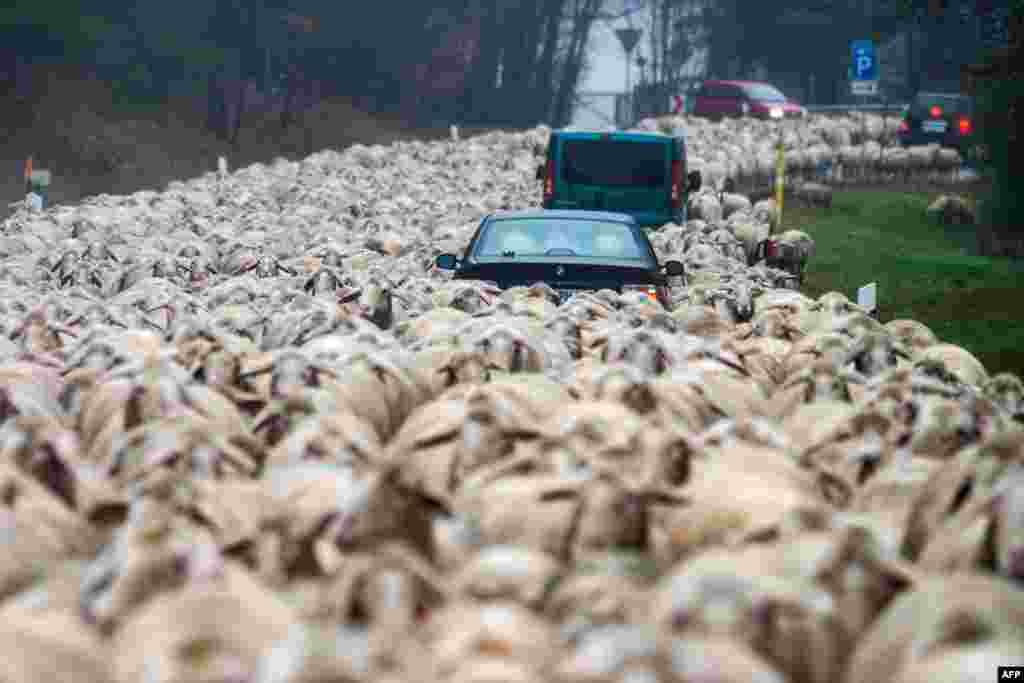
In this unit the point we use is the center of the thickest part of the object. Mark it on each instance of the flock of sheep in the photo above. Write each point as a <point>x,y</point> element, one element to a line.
<point>248,433</point>
<point>860,148</point>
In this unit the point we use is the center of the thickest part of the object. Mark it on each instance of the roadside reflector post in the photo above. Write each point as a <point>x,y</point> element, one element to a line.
<point>38,188</point>
<point>780,173</point>
<point>867,298</point>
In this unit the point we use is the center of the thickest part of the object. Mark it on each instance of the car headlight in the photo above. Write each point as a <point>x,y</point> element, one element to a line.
<point>775,112</point>
<point>649,290</point>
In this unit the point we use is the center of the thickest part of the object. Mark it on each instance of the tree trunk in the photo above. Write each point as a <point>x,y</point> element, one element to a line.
<point>574,60</point>
<point>545,79</point>
<point>480,94</point>
<point>520,62</point>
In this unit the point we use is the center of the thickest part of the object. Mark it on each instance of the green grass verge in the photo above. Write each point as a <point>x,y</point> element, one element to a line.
<point>925,271</point>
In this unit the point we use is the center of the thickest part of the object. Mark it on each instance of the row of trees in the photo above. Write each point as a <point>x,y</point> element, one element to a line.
<point>487,62</point>
<point>480,62</point>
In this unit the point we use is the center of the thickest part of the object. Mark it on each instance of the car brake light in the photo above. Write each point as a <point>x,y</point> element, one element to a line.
<point>904,126</point>
<point>935,111</point>
<point>769,249</point>
<point>650,290</point>
<point>965,126</point>
<point>677,180</point>
<point>549,180</point>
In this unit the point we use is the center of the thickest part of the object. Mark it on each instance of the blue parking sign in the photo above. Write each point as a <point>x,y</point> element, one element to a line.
<point>865,64</point>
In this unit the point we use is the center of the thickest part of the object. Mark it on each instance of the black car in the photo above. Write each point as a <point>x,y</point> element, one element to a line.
<point>569,250</point>
<point>943,118</point>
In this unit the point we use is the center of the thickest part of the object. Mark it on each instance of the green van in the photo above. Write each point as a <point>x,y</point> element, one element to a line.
<point>637,173</point>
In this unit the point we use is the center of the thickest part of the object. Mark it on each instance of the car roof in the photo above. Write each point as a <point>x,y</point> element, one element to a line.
<point>717,82</point>
<point>615,134</point>
<point>606,216</point>
<point>942,94</point>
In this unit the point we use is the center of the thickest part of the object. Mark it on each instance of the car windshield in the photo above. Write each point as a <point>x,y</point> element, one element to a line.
<point>560,237</point>
<point>615,163</point>
<point>764,92</point>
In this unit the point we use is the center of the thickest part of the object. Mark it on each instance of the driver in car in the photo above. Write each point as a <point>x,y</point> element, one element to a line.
<point>559,238</point>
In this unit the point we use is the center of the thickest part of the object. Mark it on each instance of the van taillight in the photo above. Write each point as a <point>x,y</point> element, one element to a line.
<point>677,179</point>
<point>549,180</point>
<point>904,126</point>
<point>965,126</point>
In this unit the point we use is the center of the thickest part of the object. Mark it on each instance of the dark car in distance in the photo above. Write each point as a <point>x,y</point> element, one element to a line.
<point>720,99</point>
<point>640,174</point>
<point>943,118</point>
<point>571,251</point>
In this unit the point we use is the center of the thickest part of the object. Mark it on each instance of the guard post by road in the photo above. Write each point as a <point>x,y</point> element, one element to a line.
<point>37,185</point>
<point>780,172</point>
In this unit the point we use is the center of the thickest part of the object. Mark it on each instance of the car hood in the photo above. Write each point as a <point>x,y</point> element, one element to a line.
<point>590,275</point>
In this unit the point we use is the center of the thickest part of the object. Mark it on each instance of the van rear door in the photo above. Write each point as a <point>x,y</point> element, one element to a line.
<point>616,174</point>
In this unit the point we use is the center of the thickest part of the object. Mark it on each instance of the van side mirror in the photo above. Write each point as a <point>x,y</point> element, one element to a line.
<point>693,181</point>
<point>674,268</point>
<point>540,172</point>
<point>446,261</point>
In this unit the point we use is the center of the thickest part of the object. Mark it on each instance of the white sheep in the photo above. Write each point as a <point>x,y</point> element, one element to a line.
<point>751,234</point>
<point>790,252</point>
<point>731,203</point>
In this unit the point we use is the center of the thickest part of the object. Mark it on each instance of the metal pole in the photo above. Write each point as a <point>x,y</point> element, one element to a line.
<point>630,109</point>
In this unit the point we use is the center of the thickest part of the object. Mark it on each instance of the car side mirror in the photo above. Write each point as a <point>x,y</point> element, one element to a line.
<point>693,181</point>
<point>540,171</point>
<point>446,261</point>
<point>674,268</point>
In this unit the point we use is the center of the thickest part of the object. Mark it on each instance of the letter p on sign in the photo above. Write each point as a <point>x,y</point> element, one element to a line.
<point>1010,673</point>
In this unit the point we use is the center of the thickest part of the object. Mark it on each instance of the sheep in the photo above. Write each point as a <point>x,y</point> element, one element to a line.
<point>216,628</point>
<point>950,210</point>
<point>1006,390</point>
<point>51,646</point>
<point>712,595</point>
<point>319,416</point>
<point>964,611</point>
<point>790,251</point>
<point>815,194</point>
<point>750,235</point>
<point>731,203</point>
<point>565,518</point>
<point>914,335</point>
<point>961,362</point>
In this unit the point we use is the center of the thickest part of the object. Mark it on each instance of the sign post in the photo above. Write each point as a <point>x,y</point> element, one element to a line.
<point>780,172</point>
<point>629,37</point>
<point>864,72</point>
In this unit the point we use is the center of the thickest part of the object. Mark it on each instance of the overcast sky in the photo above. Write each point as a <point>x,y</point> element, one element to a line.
<point>608,60</point>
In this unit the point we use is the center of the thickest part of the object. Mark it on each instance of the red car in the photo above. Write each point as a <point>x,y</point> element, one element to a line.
<point>718,99</point>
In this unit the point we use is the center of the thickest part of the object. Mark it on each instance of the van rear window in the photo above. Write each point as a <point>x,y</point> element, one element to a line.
<point>615,163</point>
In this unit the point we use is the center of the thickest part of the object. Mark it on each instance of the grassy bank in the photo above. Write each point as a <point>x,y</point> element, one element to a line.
<point>924,271</point>
<point>95,144</point>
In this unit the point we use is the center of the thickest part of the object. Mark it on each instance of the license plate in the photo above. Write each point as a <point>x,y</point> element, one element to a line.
<point>564,294</point>
<point>934,126</point>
